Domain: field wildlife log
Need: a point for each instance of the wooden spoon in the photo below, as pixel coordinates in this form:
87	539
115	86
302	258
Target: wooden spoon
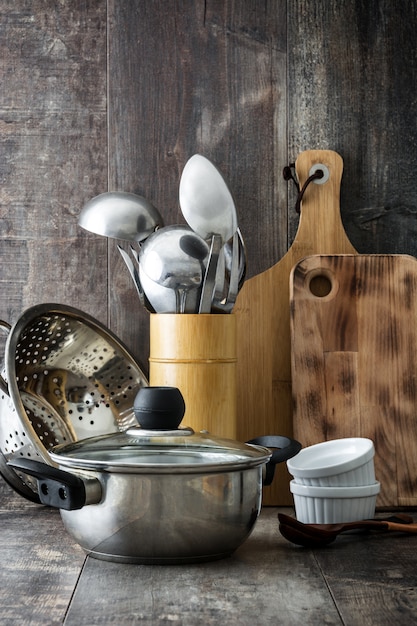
319	535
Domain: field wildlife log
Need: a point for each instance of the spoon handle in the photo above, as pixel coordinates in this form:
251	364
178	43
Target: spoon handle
136	280
210	275
234	274
403	528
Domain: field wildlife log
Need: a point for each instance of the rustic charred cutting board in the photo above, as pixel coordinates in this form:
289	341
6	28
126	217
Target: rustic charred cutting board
354	360
264	404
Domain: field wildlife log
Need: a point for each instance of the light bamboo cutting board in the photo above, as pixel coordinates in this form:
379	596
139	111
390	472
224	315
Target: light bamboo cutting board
354	360
264	404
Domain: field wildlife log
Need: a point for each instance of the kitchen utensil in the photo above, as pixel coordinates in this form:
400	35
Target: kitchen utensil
15	482
197	353
327	505
209	281
346	462
162	299
354	363
136	280
209	208
68	377
205	199
228	253
7	411
174	257
120	215
7	416
319	535
234	274
155	496
232	266
263	314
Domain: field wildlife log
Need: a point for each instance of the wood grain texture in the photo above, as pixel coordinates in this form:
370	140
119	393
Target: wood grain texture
265	582
207	77
351	89
374	585
40	563
197	354
263	316
46	579
354	361
53	154
118	95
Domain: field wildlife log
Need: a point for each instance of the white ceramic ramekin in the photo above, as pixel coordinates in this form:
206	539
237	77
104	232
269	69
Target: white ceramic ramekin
331	505
345	462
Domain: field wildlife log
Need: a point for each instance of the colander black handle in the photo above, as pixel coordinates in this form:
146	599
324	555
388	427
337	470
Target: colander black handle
57	488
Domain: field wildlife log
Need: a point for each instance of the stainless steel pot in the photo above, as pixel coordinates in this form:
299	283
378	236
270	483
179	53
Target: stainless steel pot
159	496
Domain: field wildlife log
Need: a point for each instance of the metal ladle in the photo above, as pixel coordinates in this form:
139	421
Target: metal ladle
120	215
173	257
209	209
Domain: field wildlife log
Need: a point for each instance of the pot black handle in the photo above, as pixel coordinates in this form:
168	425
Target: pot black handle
282	448
56	487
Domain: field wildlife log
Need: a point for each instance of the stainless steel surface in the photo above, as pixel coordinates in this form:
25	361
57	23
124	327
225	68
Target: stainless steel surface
205	199
162	299
209	282
234	274
134	273
161	519
209	208
242	259
174	257
25	486
231	273
68	377
165	496
120	215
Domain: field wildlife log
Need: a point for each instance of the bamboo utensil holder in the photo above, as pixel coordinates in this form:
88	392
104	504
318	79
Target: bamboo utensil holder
197	354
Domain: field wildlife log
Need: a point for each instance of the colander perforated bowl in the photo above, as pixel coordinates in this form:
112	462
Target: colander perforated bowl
67	378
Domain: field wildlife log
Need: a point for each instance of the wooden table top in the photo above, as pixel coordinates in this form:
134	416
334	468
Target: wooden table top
46	579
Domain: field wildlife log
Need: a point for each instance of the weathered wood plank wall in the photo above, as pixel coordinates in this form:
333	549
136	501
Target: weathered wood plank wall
208	77
99	96
352	69
53	153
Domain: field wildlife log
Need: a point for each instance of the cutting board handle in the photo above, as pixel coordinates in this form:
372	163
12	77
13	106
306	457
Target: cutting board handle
320	206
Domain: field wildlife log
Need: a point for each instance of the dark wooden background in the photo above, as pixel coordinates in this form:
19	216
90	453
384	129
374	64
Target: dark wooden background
102	95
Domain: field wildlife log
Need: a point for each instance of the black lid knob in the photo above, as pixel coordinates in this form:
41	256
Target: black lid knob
159	408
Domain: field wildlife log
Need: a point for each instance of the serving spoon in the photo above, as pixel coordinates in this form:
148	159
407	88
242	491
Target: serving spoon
319	535
209	209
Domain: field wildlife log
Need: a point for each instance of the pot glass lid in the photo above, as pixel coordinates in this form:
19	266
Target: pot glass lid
139	450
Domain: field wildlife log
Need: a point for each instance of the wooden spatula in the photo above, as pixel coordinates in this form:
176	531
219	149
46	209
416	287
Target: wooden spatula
264	404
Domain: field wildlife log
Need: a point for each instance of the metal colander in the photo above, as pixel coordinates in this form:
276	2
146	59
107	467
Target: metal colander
67	377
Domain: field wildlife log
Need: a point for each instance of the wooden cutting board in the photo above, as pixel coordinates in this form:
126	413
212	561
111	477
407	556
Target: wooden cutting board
264	404
354	360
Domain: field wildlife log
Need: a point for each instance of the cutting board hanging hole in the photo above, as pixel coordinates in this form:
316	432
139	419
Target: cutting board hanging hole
320	283
318	174
319	167
320	286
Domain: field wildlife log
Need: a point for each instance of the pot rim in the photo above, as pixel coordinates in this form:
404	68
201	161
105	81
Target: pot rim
131	458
